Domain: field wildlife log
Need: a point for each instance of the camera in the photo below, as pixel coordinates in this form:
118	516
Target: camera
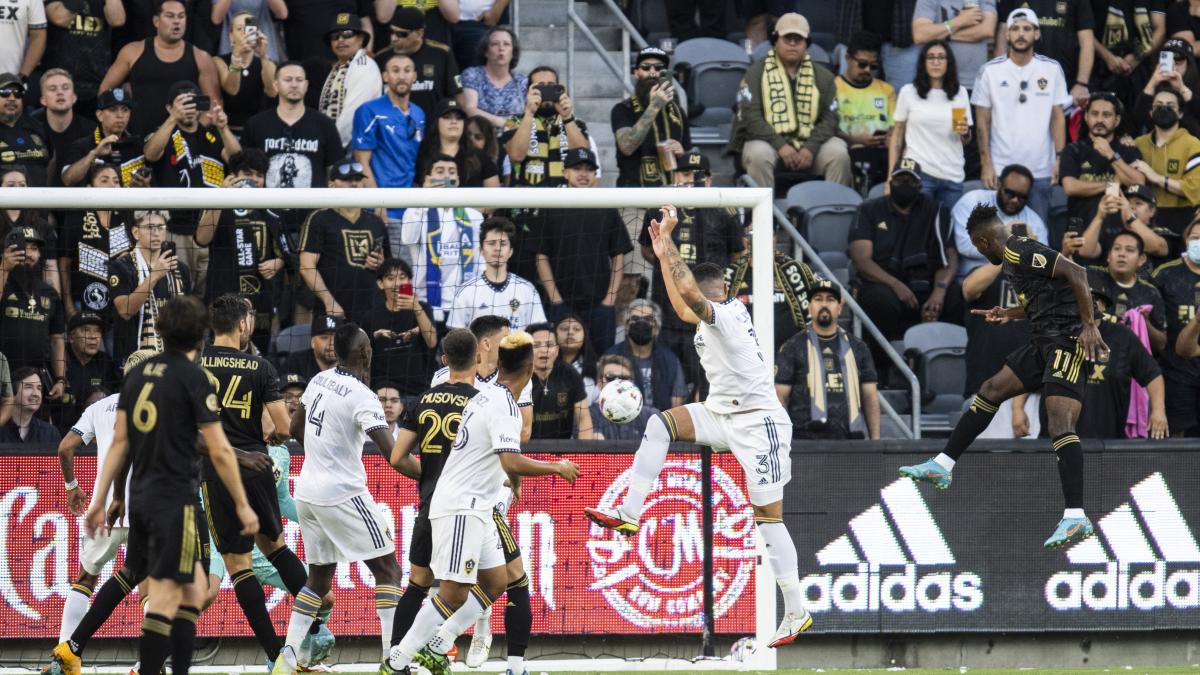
142	172
551	93
203	103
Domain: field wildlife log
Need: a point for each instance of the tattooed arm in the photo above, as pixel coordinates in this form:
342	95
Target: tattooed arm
629	139
687	300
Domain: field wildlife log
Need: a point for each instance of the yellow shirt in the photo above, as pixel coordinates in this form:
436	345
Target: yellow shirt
1178	159
865	110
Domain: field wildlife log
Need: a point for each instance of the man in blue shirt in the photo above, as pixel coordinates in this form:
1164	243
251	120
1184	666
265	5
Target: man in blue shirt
387	134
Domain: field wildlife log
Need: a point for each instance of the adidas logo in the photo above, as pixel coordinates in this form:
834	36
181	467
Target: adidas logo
898	533
1144	537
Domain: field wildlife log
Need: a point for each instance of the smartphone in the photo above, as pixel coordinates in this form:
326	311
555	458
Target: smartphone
1074	225
251	31
168	246
1020	229
551	93
1112	189
142	172
666	76
405	289
203	103
1166	62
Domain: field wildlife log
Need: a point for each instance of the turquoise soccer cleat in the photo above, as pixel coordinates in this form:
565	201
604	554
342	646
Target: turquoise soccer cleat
1069	531
929	472
322	645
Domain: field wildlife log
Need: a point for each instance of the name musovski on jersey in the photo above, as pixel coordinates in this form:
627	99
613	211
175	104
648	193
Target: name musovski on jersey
868	588
1136	575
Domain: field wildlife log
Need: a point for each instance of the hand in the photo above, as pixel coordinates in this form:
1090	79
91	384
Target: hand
567	470
13	256
1020	423
1118	65
384	334
995	316
1080	94
1071	243
1158	424
804	159
564	106
248	518
1103	147
656	240
335	310
1151	175
662	94
76	502
905	295
57	391
1054	171
491	17
260	47
533	100
375	259
1093	345
116	511
987	175
181	106
932	309
406	303
516	491
257	462
240	51
676	147
164	262
969	16
106	144
218	118
268	269
666	225
790	156
136	180
95	520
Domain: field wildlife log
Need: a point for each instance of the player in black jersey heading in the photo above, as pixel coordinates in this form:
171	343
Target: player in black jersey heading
162	405
248	386
1054	296
430	427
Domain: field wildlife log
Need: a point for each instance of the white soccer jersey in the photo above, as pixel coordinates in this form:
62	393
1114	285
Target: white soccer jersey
98	423
523	401
472	478
16	18
516	299
738	378
339	413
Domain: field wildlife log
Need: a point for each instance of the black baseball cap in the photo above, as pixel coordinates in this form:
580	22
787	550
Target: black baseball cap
1179	47
19	236
1142	192
448	106
909	166
577	156
408	18
345	21
181	87
693	160
326	323
294	380
110	98
11	79
347	169
826	286
651	53
85	319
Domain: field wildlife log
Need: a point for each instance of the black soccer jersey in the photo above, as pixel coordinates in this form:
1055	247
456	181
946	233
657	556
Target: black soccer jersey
1180	288
1142	292
245	384
1049	303
165	400
435	419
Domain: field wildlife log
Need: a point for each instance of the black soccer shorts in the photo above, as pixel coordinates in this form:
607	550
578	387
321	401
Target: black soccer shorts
222	514
420	551
165	541
1056	366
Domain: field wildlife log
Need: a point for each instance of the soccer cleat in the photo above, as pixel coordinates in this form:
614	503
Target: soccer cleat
435	663
613	519
481	640
286	663
385	668
321	645
510	672
929	472
68	661
792	625
1069	531
52	669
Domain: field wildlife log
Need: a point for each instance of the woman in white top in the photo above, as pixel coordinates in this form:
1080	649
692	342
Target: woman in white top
927	127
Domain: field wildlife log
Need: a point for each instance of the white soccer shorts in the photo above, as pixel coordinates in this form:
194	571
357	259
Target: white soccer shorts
760	439
350	531
463	544
101	549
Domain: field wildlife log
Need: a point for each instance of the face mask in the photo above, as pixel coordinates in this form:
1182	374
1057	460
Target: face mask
1193	251
640	331
1164	118
904	194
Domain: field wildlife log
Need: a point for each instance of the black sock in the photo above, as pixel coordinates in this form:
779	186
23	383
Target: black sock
103	603
970	425
518	617
406	610
291	570
250	596
1070	468
183	639
156	643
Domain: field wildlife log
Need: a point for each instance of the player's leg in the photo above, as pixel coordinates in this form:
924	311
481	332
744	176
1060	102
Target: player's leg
1020	374
76	604
1065	377
67	653
387	594
305	608
165	595
676	424
183	627
518	614
420	579
174	565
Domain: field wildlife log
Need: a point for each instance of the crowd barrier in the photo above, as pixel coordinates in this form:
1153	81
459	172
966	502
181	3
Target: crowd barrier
877	554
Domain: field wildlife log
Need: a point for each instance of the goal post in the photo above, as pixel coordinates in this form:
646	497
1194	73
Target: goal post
759	202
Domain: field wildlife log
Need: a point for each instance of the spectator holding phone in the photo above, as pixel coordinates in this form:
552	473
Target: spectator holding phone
142	282
534	140
650	127
401	329
247	70
111	143
1176	66
865	105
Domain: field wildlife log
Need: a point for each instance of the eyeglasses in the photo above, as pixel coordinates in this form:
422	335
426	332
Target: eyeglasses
12	92
936	57
153	227
345	34
400	33
612	377
864	64
346	169
656	67
1013	194
1023	98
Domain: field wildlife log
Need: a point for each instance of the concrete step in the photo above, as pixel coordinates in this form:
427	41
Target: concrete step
554	37
545	12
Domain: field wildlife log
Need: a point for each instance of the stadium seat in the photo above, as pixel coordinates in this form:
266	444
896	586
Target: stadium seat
650	18
821	21
823	213
820	55
839	264
711	70
940	352
876	190
292	339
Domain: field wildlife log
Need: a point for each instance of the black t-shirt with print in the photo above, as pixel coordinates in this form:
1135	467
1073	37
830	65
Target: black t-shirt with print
192	159
1081	160
792	369
60	142
126	156
100	372
1180	289
987	345
580	244
91	247
1106	395
402	357
28	317
630	167
26	143
299	154
241	242
554	402
308	21
344	247
123	280
83	48
1142	292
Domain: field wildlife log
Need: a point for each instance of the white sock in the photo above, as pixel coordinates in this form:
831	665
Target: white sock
483	627
781	552
74	608
649	460
457	624
1074	513
428	621
943	460
516	664
298	625
386	615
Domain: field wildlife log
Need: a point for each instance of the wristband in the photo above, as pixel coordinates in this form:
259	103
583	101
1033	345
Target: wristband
1165	185
949	28
1131	220
942	285
1082	84
73	485
568	120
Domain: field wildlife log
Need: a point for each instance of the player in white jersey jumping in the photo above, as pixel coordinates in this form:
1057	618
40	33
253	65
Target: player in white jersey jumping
489	330
741	413
466	541
339	520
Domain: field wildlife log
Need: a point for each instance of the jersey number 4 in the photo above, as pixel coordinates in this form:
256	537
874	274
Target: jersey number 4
240	404
314	418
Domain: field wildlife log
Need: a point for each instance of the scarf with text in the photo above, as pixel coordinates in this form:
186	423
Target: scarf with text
792	277
668	124
466	252
791	112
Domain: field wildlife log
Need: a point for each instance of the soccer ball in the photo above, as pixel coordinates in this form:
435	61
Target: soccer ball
620	401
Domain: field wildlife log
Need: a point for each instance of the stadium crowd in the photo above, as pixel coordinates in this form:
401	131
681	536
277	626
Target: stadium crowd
1091	97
